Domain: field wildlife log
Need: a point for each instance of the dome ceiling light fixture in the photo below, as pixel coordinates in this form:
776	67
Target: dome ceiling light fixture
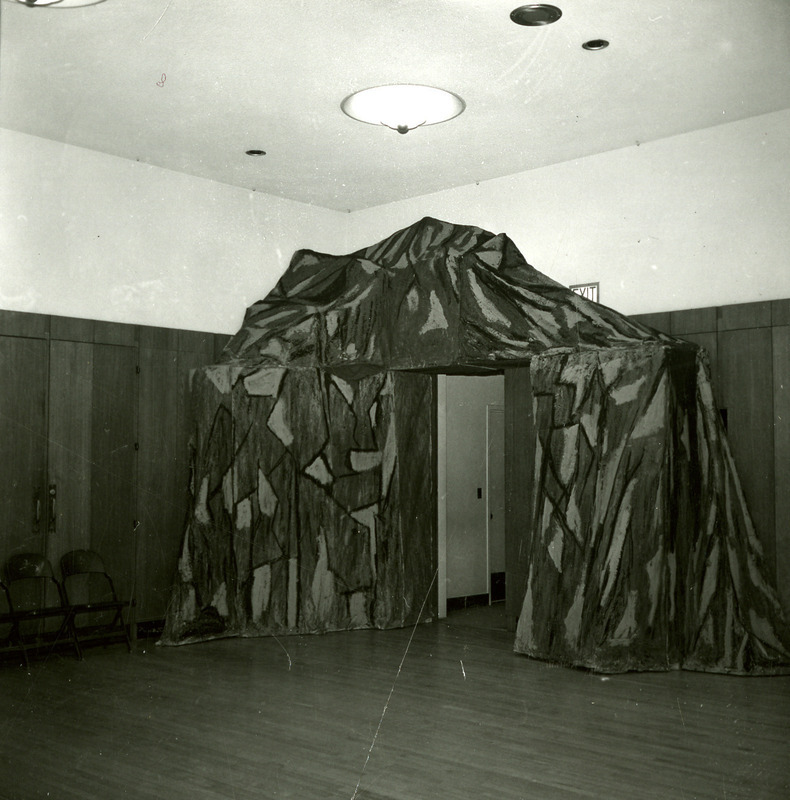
59	3
535	14
403	106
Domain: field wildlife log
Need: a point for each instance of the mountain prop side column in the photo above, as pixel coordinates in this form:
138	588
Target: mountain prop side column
643	556
311	504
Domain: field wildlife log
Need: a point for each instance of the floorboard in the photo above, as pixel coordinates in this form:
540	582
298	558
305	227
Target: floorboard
348	716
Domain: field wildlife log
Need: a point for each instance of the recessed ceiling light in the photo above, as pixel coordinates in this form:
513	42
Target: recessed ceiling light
596	44
535	14
403	106
255	152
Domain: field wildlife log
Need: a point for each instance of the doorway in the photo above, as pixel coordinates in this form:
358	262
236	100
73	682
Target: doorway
470	490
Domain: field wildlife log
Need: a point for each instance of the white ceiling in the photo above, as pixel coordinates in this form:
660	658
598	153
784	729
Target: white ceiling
191	84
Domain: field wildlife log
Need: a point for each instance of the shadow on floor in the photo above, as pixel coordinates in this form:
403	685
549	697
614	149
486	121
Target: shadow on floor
484	616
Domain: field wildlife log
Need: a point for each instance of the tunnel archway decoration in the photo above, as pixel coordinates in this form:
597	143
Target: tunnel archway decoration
312	490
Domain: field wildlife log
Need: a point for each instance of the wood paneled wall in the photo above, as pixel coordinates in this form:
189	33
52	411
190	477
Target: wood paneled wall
93	430
67	380
749	349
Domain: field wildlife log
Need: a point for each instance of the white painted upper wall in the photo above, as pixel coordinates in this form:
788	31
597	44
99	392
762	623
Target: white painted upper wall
85	234
699	219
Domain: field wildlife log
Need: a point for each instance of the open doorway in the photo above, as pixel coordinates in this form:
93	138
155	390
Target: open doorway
471	497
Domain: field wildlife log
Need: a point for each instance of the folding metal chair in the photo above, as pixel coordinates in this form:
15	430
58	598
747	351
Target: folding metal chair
41	614
90	591
9	626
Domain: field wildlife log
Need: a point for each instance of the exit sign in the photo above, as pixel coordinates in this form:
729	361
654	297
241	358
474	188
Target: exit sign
589	291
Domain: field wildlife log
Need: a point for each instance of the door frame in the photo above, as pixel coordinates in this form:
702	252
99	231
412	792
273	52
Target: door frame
441	494
498	408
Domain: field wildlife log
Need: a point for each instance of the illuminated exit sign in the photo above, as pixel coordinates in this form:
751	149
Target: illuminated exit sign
589	291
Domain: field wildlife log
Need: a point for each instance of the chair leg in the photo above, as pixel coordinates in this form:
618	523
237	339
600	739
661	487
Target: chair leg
72	628
126	630
132	634
16	635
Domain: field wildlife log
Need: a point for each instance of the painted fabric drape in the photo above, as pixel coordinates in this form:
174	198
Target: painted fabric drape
313	493
643	554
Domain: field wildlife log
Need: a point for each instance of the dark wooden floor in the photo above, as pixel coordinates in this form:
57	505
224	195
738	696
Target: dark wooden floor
467	718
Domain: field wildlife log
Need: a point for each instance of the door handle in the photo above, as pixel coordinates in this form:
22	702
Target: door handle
53	494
